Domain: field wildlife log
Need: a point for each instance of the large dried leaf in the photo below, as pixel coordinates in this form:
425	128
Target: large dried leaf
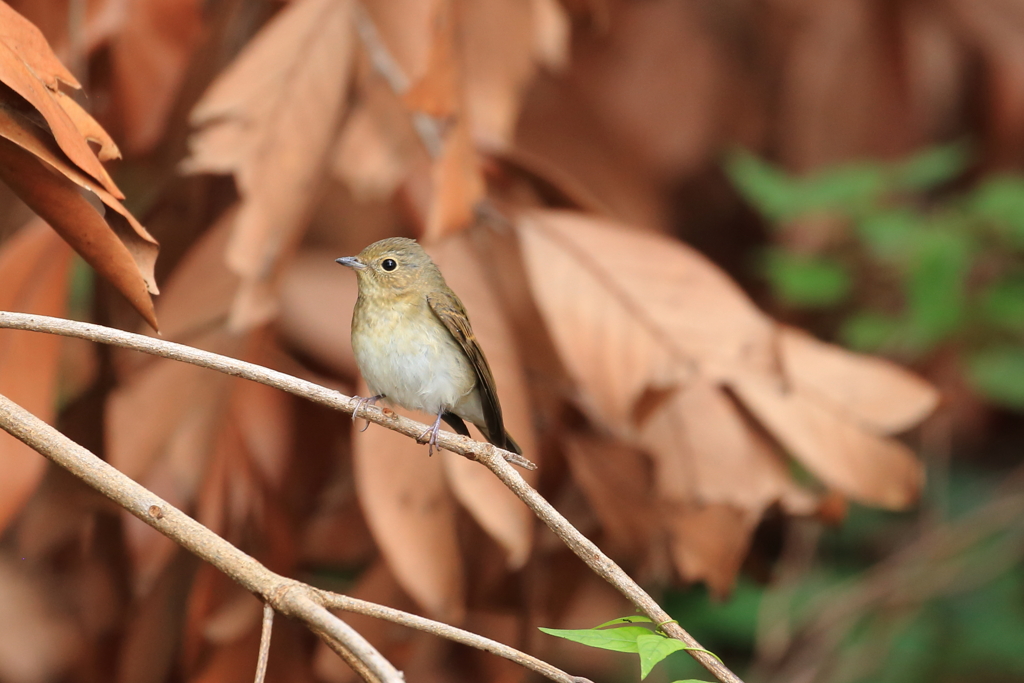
709	542
412	516
34	272
29	44
619	485
496	508
20	129
18	60
89	127
866	467
705	451
632	311
876	393
58	201
269	120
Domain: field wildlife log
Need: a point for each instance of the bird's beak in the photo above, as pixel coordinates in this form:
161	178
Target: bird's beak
352	262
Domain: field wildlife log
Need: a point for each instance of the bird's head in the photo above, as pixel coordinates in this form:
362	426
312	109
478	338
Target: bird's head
392	266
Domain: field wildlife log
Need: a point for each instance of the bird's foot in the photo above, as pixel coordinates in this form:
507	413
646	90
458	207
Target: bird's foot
359	405
432	430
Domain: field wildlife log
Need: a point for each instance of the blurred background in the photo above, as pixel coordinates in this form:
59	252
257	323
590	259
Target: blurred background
642	204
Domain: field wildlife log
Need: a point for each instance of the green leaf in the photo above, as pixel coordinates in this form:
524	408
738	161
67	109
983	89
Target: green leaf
869	331
1001	199
618	639
891	234
653	648
932	167
853	188
1002	304
936	295
770	190
998	372
635	619
806	281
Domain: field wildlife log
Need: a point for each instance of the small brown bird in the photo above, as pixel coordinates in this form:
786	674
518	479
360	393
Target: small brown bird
414	345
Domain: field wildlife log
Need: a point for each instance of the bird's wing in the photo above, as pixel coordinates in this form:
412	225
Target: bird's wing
449	311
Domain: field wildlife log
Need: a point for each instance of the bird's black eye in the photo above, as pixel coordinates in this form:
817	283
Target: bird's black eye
388	264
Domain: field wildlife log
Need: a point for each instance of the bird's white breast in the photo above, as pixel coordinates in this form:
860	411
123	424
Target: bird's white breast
405	353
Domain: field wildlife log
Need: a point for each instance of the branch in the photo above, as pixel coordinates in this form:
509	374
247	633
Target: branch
489	455
266	630
458	635
285	595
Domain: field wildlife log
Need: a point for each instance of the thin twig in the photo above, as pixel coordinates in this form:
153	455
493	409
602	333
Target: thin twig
286	595
458	635
230	366
490	456
267	629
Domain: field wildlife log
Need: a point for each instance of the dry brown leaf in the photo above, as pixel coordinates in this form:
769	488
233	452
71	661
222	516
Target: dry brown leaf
412	517
150	48
878	394
316	297
34	270
20	130
866	467
269	120
29	43
377	147
501	43
619	486
709	542
497	509
705	451
438	92
17	71
407	28
633	311
457	185
89	127
58	201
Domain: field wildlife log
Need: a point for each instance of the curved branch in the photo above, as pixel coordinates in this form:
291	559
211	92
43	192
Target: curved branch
458	635
285	595
490	456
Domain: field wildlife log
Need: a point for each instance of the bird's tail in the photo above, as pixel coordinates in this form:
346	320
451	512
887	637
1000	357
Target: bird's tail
510	445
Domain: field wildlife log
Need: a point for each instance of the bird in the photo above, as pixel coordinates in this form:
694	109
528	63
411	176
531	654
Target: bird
415	347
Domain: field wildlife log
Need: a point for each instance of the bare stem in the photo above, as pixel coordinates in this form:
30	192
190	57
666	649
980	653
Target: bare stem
495	459
265	632
286	595
458	635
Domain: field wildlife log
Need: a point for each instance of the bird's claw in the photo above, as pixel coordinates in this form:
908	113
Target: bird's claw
359	405
432	440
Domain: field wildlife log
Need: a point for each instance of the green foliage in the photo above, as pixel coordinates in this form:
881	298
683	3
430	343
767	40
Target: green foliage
999	373
651	645
916	269
808	282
